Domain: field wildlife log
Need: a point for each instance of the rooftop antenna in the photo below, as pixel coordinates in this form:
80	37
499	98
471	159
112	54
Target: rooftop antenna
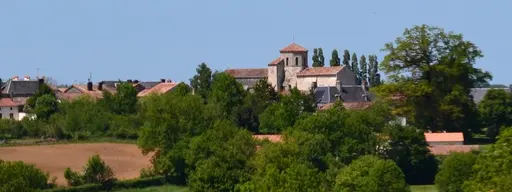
294	38
90	76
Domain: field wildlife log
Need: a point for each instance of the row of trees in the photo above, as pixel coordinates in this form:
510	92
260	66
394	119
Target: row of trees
363	69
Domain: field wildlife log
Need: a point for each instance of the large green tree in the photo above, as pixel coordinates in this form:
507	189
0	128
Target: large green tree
256	102
335	58
433	71
407	147
44	89
124	101
455	169
371	174
493	167
202	81
219	158
346	58
17	176
227	95
496	111
46	105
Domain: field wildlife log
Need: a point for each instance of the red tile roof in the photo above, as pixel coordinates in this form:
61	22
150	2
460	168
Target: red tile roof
316	71
248	73
271	138
349	105
161	88
95	93
276	61
293	48
7	102
444	137
69	96
447	149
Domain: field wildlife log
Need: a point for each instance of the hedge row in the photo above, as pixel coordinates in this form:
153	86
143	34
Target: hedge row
124	184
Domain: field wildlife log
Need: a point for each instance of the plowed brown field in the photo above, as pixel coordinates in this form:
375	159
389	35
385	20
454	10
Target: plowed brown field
125	159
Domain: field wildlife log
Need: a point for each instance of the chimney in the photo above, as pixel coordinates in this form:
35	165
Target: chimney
100	86
162	80
169	81
135	81
363	85
27	78
15	78
89	86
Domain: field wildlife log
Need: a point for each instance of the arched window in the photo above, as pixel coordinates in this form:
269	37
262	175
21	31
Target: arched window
296	61
287	61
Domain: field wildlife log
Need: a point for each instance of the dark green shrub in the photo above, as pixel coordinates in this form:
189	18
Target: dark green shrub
18	176
455	169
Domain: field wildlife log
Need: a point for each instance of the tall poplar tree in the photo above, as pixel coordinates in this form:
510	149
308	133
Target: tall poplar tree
335	59
355	68
346	58
321	58
363	69
316	60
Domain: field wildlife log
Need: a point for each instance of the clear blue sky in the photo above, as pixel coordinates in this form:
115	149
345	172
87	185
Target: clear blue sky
150	39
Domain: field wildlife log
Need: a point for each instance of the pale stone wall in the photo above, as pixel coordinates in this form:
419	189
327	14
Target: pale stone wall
276	75
304	83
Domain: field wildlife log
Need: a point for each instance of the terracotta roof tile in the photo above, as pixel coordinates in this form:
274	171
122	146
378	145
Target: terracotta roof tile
447	149
271	138
248	73
161	88
95	93
7	102
293	48
444	137
315	71
69	96
62	89
349	105
276	61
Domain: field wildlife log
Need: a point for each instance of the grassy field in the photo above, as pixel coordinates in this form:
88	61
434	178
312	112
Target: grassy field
423	188
166	188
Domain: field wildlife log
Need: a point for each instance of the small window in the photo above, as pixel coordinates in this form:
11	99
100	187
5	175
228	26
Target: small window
296	61
11	116
287	61
11	108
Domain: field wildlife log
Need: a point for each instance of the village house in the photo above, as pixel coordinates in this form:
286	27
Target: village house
14	95
95	91
291	70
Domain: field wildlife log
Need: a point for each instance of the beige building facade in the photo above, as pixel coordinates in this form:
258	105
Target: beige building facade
291	70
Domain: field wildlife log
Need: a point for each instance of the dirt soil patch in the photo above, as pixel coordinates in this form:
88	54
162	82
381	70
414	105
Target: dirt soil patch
125	159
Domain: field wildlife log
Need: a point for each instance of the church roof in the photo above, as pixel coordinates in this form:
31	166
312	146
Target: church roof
276	61
293	48
248	73
318	71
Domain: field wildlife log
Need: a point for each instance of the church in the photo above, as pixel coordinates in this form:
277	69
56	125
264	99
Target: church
291	69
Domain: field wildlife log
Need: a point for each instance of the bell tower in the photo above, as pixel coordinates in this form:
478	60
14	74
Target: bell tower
295	59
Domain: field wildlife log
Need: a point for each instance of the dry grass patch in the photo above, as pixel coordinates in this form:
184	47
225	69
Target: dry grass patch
125	159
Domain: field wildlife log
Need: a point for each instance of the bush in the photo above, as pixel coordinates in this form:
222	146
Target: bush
126	184
18	176
95	172
455	169
369	173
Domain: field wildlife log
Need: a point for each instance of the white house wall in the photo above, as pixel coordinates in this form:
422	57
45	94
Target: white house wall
304	83
6	111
